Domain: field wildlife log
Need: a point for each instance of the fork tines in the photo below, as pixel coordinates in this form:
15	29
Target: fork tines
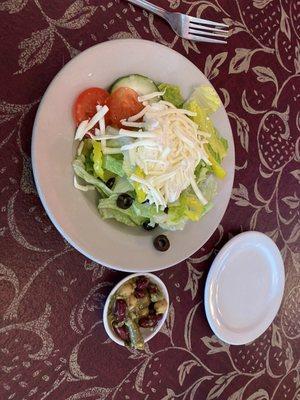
207	31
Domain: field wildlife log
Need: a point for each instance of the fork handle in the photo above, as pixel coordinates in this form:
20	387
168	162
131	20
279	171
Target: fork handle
150	7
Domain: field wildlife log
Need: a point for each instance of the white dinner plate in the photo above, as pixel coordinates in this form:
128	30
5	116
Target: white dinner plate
75	213
244	288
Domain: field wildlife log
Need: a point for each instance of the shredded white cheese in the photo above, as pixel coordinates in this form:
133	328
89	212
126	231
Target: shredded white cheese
111	150
168	160
80	147
197	191
140	144
86	126
139	115
133	124
167	150
134	134
150	96
81	130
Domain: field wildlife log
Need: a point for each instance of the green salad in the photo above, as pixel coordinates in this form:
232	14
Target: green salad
152	156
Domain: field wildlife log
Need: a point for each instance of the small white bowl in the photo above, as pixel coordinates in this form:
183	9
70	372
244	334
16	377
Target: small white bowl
147	333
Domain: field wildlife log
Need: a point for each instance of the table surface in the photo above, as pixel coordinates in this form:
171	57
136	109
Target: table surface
52	341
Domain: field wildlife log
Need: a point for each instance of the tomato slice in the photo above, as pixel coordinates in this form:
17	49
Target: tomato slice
122	104
86	102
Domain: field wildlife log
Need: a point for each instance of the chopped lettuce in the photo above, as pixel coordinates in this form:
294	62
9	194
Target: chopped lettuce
108	209
217	146
146	211
201	171
214	158
79	169
117	214
137	214
127	167
122	185
201	119
118	142
181	213
188	206
87	152
209	187
99	165
172	94
89	162
166	223
212	154
207	98
114	164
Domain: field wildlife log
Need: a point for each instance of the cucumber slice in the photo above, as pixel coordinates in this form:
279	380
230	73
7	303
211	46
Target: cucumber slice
141	84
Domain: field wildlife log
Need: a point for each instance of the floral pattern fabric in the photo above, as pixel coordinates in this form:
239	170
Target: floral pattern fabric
52	341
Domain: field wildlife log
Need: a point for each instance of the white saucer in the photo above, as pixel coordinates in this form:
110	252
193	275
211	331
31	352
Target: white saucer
244	288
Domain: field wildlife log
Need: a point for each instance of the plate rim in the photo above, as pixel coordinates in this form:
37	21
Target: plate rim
65	235
212	274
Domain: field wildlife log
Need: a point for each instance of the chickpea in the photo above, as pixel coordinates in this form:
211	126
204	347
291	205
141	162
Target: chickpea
132	302
144	312
126	290
144	301
161	306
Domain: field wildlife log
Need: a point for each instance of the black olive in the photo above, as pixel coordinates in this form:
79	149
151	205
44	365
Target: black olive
124	201
110	183
146	202
166	210
161	243
148	227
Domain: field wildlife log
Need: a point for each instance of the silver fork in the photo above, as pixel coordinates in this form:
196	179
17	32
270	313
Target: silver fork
191	28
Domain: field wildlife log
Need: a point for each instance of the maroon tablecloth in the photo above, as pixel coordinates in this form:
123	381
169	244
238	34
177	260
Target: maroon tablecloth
52	341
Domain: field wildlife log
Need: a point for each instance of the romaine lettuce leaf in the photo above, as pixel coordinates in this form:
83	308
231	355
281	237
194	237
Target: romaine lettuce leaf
122	185
201	119
79	169
218	144
87	152
215	160
188	206
99	165
172	94
209	187
201	171
118	142
117	214
146	211
207	98
165	222
108	209
127	167
113	164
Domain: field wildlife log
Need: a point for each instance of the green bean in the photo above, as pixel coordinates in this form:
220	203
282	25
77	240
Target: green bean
136	338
